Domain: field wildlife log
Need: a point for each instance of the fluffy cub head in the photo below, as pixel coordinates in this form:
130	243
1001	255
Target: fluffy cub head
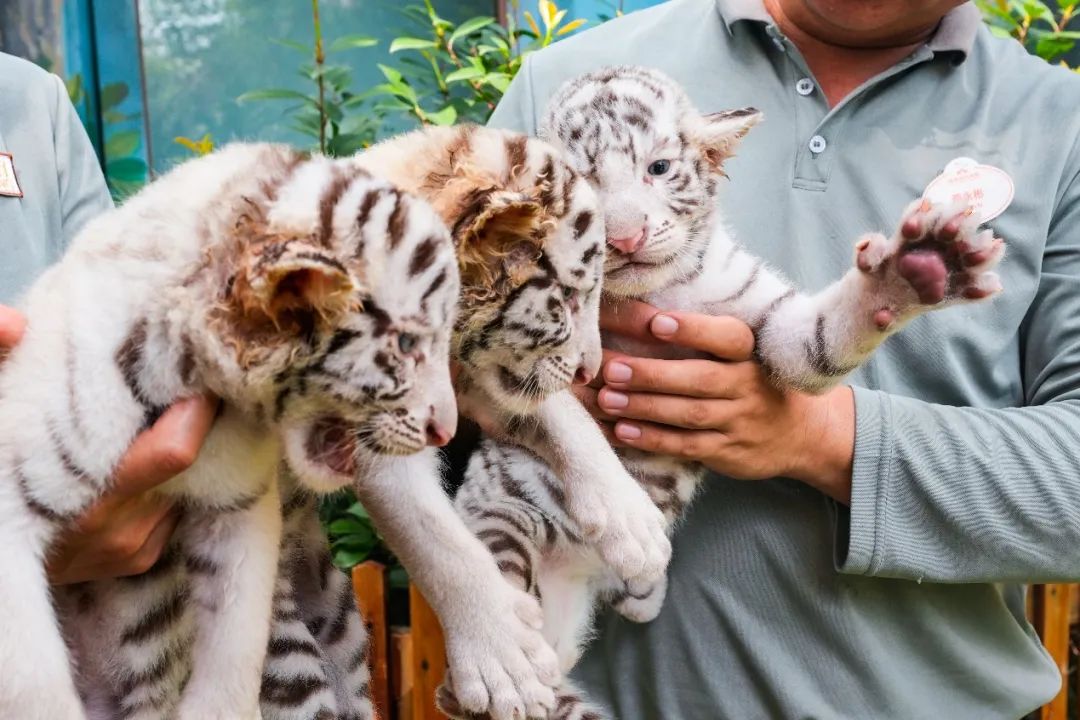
335	297
655	162
530	247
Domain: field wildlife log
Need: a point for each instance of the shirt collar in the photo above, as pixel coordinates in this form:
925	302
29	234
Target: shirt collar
955	34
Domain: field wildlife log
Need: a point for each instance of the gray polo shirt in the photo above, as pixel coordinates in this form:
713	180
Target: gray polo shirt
967	458
58	174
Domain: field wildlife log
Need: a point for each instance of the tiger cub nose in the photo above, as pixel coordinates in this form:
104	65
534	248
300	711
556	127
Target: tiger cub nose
436	430
629	244
437	435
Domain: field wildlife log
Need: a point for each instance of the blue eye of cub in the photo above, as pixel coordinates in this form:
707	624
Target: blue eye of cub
406	342
660	167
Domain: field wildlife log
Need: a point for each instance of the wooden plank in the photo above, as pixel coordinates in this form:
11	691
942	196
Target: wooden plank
401	673
429	657
1051	605
369	586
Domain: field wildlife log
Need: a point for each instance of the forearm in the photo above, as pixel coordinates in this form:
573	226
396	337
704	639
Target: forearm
947	494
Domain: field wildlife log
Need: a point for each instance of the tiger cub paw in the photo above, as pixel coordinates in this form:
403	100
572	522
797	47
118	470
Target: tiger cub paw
640	602
938	257
500	666
619	519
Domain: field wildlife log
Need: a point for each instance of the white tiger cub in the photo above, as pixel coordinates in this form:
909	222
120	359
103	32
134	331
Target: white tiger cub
530	248
282	283
656	164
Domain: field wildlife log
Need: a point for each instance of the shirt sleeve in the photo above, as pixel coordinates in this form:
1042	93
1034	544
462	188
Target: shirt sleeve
517	109
951	494
83	192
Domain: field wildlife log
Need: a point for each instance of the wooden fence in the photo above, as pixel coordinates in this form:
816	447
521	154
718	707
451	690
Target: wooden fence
407	664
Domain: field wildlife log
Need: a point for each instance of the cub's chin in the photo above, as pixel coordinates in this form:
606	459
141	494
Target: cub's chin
636	279
512	393
327	452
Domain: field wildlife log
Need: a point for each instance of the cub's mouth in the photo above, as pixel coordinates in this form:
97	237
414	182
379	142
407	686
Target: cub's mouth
333	443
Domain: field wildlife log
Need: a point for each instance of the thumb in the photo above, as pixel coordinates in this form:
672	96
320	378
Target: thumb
12	326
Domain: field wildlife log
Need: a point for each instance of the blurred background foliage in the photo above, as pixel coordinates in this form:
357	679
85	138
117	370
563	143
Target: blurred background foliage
1045	29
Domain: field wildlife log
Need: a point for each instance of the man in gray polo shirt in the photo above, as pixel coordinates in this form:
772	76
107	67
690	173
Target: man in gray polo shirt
884	581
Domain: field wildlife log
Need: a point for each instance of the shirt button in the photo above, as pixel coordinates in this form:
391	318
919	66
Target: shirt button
804	86
817	144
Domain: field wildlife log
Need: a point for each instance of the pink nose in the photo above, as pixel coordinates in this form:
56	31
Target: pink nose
437	435
629	244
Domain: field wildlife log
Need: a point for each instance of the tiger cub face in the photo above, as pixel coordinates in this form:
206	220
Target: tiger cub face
336	300
530	247
656	164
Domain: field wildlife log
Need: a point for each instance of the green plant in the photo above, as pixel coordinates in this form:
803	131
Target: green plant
353	538
1043	31
321	114
458	72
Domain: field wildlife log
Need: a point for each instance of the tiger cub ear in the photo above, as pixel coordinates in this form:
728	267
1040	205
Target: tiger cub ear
720	133
282	280
498	228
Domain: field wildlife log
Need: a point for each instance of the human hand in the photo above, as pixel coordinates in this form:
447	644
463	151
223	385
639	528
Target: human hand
722	412
125	531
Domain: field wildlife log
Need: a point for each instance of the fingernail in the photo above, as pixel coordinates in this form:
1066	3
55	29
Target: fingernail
625	431
611	400
664	325
617	372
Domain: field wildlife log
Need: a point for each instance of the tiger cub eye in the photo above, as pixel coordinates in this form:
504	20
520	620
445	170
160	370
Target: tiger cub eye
406	342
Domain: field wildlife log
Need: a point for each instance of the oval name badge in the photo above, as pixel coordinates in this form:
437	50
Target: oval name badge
988	190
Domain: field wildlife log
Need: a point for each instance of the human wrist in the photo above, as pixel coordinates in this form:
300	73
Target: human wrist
826	445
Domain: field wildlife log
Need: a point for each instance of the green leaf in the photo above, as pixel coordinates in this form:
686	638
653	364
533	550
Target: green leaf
411	43
273	94
1053	45
499	81
113	94
468	28
346	526
1000	31
465	73
333	112
390	73
339	78
345	144
446	116
347	42
122	144
292	45
1038	9
127	169
358	510
347	559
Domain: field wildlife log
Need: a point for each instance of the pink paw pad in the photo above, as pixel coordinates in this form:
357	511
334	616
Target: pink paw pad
925	271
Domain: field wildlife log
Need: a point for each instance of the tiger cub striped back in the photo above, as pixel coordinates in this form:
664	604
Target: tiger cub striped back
273	280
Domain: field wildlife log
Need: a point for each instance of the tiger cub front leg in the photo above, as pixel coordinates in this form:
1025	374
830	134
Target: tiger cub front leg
938	257
236	553
612	511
